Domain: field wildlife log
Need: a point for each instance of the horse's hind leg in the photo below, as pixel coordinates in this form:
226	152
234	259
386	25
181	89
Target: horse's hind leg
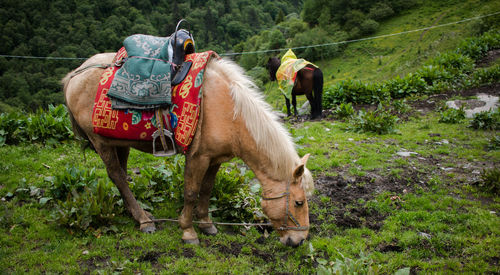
115	159
294	104
204	201
194	173
312	103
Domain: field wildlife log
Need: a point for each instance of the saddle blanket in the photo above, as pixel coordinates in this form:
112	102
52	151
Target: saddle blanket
136	125
287	72
143	82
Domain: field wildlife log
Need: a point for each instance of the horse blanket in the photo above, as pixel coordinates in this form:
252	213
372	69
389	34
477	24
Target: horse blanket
182	116
143	82
287	72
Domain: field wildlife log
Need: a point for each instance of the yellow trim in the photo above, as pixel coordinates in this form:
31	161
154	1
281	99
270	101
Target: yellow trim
188	41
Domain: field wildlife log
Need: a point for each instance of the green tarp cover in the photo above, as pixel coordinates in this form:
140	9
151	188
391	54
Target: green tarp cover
144	79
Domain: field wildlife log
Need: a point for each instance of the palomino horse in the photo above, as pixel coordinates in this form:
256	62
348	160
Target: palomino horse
309	80
235	121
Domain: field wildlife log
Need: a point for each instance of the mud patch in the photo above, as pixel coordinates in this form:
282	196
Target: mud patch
234	250
188	252
348	195
150	256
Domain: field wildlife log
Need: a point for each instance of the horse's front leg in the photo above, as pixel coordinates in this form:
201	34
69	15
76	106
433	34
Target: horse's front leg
194	172
294	104
287	102
207	226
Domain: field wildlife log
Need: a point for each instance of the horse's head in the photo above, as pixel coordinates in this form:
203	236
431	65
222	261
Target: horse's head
272	66
287	208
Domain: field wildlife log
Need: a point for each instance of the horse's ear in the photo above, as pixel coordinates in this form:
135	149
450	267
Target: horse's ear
299	170
305	158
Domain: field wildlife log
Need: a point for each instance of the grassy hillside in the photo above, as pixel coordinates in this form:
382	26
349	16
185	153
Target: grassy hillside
385	58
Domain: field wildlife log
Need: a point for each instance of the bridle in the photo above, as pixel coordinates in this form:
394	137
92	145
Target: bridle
288	215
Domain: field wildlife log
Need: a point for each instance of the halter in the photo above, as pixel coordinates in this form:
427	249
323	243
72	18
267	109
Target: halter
285	226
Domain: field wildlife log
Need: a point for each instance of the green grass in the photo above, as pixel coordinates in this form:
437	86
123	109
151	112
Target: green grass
442	223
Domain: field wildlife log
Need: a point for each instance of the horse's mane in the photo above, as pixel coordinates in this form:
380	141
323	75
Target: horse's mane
270	136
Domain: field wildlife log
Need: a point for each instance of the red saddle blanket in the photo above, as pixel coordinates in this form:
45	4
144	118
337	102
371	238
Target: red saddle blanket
140	125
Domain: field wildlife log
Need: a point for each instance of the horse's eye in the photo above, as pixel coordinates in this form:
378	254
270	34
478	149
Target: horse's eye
299	203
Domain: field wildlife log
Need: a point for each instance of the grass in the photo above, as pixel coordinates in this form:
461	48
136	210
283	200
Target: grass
446	226
441	222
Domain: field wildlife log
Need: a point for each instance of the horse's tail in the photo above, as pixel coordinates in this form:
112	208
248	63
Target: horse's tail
318	91
77	130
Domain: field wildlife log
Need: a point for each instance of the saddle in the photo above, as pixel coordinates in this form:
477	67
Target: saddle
148	71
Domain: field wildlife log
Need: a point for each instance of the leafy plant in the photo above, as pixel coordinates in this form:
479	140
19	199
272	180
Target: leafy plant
344	110
488	120
73	179
95	207
379	121
490	181
452	116
494	143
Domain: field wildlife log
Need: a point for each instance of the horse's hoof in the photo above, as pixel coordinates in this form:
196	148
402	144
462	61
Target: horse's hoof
191	241
149	229
211	231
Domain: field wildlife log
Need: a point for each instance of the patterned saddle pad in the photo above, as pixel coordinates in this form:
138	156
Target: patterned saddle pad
182	116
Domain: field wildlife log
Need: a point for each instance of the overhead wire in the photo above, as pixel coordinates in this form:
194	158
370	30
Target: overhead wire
284	49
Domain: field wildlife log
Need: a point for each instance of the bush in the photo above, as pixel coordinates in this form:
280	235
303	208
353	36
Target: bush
344	110
355	92
477	47
452	116
494	143
81	202
486	120
406	86
46	127
490	181
379	121
454	63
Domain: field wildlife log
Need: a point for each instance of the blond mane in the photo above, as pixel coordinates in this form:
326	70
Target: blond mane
270	135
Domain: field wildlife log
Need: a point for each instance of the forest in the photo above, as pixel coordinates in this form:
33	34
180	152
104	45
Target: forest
67	32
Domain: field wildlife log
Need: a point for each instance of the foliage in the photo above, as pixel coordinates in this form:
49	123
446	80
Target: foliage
97	26
490	181
494	143
379	121
354	91
47	127
487	120
477	47
81	201
406	86
344	110
452	115
234	199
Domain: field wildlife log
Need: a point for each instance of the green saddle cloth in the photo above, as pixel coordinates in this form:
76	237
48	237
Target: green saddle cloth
143	81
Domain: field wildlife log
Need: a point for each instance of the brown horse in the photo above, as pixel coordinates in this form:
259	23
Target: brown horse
235	121
309	82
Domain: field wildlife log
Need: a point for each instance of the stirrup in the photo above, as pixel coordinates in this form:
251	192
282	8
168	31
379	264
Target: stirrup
165	152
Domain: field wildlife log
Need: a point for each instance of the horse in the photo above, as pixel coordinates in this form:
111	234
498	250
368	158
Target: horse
309	82
235	121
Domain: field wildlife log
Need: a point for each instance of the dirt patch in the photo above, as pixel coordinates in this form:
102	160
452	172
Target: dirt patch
490	57
188	252
150	256
348	195
234	250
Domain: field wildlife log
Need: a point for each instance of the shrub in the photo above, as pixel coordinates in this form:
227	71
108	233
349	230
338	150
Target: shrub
490	181
344	110
355	92
494	143
432	74
486	120
454	63
45	126
452	116
81	202
477	47
379	121
406	86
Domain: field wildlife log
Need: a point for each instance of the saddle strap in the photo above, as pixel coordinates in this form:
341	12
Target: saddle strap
159	117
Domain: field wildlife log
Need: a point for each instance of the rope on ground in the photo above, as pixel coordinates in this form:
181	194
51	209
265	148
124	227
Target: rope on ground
216	223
